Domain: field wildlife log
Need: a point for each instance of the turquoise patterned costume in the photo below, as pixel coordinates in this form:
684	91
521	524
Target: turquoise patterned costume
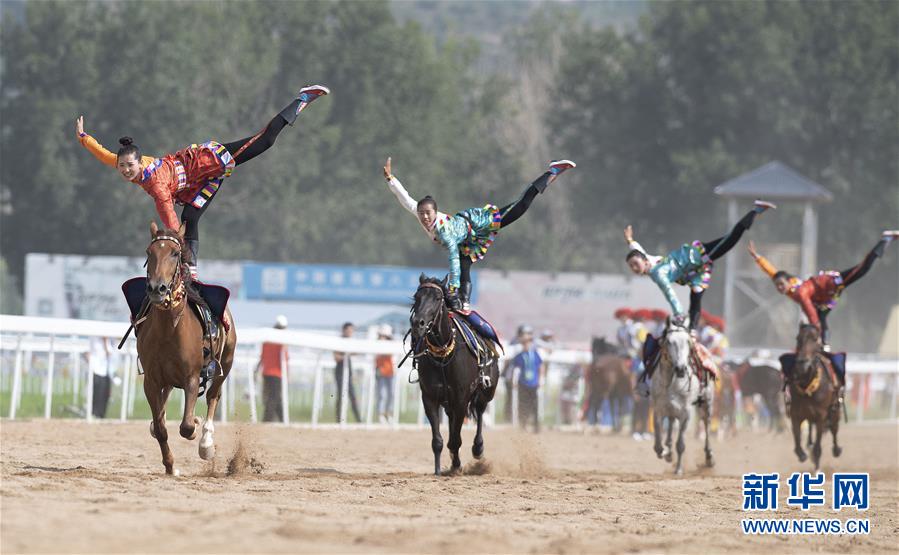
469	233
689	265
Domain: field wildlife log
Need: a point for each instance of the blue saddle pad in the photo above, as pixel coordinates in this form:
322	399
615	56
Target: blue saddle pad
481	326
216	296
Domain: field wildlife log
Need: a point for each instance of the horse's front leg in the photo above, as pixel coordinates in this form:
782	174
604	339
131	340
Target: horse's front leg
432	410
156	398
683	423
189	421
797	437
207	441
455	439
816	450
671	421
657	431
834	428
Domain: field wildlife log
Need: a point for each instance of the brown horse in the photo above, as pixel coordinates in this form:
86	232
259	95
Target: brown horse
813	394
608	379
170	346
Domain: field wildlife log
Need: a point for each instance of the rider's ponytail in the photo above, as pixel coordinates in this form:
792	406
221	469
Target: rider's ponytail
128	147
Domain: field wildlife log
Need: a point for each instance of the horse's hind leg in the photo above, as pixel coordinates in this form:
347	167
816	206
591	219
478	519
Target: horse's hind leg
706	417
477	446
207	442
156	398
189	421
816	450
432	410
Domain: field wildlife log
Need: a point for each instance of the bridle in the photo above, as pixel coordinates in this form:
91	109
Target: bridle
442	354
663	346
175	294
815	370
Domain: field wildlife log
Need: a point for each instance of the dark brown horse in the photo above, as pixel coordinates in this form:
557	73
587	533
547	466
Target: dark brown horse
170	346
767	382
813	394
448	372
608	379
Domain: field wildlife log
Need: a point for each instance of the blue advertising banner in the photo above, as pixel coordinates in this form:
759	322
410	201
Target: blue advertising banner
324	282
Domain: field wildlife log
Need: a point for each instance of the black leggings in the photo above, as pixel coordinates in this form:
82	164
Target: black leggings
258	144
715	249
850	276
510	213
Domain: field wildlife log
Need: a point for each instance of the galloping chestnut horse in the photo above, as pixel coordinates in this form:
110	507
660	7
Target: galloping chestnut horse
170	346
448	372
608	379
813	395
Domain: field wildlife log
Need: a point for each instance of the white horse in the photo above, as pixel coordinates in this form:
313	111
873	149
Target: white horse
675	389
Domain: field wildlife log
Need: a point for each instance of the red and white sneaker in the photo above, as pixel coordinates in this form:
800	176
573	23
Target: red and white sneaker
194	275
310	93
891	234
558	166
761	205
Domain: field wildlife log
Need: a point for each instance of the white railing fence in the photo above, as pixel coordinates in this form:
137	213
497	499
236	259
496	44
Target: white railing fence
45	372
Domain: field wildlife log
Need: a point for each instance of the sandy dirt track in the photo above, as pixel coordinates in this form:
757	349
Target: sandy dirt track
69	486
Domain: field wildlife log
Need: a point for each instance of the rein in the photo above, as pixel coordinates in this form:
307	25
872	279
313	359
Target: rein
442	354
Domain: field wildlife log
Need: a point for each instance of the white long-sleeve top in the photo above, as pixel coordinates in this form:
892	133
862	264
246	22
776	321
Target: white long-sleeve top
410	204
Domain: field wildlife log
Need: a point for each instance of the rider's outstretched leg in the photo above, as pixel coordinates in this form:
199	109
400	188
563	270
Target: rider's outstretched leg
250	147
717	248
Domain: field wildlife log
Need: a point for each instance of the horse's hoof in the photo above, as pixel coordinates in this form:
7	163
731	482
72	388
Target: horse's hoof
678	471
207	453
802	456
668	457
837	451
710	461
477	451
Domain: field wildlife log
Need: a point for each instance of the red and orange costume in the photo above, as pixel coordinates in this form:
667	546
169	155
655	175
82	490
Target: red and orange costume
190	176
816	294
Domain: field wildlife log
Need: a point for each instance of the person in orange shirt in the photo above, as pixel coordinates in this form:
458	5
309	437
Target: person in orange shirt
274	355
818	295
192	176
384	378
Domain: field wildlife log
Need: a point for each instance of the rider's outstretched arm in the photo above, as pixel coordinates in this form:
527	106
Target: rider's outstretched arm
668	290
762	262
402	196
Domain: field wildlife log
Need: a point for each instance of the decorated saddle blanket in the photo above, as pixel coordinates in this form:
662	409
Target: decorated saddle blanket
216	297
479	335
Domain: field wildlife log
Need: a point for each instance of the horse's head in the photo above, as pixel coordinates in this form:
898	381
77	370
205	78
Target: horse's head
428	305
808	341
164	275
677	347
602	347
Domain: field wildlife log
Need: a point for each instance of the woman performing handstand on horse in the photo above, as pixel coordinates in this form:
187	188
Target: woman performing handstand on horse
192	176
818	294
467	235
690	265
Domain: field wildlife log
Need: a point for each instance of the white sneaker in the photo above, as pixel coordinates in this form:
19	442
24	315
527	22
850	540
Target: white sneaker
637	436
558	166
762	205
310	93
890	234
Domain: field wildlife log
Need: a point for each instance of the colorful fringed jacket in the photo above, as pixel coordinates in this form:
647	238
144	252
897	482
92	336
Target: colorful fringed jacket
689	265
190	176
817	293
469	233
